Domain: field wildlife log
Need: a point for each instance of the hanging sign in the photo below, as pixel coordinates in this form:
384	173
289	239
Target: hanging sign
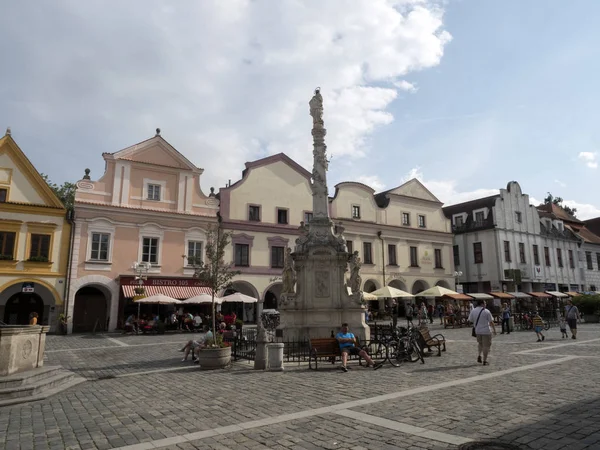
28	288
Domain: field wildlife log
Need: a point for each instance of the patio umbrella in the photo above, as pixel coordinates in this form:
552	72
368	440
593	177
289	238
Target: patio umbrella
201	299
239	297
159	299
367	296
439	291
390	292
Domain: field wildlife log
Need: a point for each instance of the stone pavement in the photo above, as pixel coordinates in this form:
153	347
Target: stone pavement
533	395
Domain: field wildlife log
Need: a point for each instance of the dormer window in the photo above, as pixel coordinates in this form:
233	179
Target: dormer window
458	221
559	226
479	217
154	192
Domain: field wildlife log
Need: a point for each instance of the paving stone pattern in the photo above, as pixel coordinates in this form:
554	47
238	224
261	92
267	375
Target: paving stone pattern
551	407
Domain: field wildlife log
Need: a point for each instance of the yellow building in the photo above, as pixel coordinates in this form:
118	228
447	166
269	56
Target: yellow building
34	241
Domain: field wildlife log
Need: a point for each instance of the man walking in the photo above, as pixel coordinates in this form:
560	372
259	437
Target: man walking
483	322
572	314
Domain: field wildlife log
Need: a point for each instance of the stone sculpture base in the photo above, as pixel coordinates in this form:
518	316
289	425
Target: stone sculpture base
319	323
21	348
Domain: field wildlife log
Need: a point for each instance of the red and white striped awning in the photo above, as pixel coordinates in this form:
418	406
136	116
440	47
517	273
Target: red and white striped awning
178	292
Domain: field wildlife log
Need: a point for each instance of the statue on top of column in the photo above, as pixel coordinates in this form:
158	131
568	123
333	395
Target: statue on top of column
316	108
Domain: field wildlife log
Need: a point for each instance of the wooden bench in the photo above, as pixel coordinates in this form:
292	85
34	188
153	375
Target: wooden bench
324	348
428	341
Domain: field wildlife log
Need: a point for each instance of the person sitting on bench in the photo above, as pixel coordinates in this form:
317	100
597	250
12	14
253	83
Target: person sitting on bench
347	343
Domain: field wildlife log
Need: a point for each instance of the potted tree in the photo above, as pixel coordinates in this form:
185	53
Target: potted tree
216	274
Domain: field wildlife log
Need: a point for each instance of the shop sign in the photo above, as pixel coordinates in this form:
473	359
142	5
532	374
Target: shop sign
28	288
426	259
397	276
159	281
537	271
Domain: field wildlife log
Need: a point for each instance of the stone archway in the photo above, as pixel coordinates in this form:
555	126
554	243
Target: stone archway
370	285
244	311
398	285
108	286
90	309
16	305
444	284
419	286
272	295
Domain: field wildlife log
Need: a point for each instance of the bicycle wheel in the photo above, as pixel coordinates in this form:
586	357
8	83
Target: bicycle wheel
546	325
395	353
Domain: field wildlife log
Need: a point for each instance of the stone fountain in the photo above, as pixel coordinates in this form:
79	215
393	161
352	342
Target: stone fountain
315	298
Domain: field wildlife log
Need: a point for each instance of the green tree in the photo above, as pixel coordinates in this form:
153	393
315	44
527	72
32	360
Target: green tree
215	273
558	201
65	192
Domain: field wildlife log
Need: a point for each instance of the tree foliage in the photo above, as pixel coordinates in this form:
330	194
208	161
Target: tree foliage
213	271
65	192
558	201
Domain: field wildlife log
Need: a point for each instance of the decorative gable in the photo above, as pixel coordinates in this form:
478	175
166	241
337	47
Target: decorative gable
21	180
156	151
414	188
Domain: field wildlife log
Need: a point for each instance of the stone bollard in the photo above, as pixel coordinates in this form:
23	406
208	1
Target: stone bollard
260	357
275	357
511	324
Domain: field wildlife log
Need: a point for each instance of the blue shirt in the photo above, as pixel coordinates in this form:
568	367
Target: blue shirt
341	335
506	313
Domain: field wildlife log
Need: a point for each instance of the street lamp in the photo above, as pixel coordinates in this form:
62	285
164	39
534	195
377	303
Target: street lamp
457	275
141	275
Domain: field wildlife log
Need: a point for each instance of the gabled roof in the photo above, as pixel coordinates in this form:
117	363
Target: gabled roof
279	157
146	152
584	233
9	146
556	212
412	188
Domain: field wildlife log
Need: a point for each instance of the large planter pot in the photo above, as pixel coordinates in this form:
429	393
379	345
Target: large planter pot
214	358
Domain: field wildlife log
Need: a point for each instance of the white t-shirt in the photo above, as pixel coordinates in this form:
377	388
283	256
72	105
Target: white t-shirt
197	320
483	326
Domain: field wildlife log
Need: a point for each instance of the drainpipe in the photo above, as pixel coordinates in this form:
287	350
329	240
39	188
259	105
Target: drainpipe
382	256
71	220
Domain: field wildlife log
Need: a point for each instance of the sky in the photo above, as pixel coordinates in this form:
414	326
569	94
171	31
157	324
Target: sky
465	95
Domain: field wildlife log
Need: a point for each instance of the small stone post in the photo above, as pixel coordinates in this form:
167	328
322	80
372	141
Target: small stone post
260	358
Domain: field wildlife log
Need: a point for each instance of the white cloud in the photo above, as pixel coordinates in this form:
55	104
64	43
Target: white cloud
227	78
590	159
404	85
446	190
372	181
560	183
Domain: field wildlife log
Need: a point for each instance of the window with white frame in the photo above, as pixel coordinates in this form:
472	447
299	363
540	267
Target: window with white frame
150	250
194	252
308	216
355	212
406	219
153	192
421	219
458	221
100	247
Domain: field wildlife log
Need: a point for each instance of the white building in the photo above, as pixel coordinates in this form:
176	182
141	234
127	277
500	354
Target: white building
502	244
591	253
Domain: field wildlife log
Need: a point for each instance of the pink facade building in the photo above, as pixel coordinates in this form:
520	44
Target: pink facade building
147	207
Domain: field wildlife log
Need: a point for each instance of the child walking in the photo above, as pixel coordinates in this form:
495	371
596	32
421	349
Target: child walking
562	323
538	326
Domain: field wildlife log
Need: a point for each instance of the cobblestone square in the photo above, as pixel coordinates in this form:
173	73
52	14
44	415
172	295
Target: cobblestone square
139	395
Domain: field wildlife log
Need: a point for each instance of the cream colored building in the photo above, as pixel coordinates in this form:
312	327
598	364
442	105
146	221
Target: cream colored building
264	209
34	241
402	236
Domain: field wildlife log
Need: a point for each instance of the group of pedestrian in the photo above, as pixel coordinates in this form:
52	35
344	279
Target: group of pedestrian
484	326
